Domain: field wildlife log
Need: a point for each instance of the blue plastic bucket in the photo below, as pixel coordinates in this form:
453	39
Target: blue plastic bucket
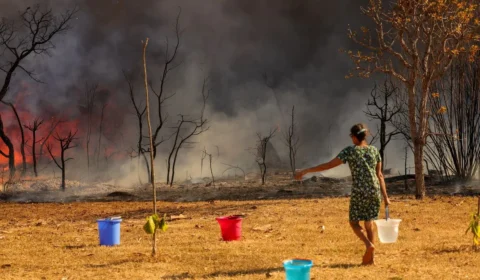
109	231
297	269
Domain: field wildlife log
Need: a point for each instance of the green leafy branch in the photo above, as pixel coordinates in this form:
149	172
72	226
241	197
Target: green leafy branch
474	226
154	223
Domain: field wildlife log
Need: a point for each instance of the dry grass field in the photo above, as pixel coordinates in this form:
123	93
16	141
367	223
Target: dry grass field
60	241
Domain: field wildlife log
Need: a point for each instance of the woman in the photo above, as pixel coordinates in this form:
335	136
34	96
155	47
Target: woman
366	168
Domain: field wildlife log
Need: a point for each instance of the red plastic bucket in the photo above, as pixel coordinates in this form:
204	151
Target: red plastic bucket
231	227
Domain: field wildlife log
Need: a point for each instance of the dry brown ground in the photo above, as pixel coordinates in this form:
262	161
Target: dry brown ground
59	241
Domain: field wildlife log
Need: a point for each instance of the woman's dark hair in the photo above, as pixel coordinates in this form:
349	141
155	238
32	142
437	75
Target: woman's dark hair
360	131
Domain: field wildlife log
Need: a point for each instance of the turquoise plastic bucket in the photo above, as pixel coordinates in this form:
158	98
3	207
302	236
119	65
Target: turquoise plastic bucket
109	231
297	269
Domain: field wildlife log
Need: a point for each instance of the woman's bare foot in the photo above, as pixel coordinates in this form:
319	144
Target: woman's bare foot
368	258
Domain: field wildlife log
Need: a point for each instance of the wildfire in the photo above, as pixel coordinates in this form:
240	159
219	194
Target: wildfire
54	124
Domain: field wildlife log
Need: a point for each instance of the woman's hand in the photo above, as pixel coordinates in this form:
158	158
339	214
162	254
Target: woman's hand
299	174
387	201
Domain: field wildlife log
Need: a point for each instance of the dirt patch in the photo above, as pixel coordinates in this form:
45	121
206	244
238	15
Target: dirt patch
60	241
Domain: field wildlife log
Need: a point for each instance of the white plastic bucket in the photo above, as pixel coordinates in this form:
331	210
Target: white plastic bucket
388	230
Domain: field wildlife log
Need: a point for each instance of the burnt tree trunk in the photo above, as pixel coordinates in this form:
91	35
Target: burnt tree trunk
211	170
383	144
172	152
11	151
34	156
262	153
22	135
291	140
263	170
174	163
33	128
147	166
62	159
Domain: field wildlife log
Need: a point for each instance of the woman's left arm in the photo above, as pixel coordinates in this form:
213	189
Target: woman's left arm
382	183
322	167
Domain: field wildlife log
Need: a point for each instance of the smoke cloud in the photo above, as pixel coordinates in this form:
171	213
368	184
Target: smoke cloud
233	44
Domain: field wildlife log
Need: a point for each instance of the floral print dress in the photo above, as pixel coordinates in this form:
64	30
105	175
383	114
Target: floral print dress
365	198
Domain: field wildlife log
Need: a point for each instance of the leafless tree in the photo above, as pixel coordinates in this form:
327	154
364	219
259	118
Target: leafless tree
65	143
194	127
22	137
11	152
292	141
34	128
204	155
161	95
383	106
140	114
262	152
32	35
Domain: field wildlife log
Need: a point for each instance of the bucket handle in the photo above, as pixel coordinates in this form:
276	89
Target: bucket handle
387	213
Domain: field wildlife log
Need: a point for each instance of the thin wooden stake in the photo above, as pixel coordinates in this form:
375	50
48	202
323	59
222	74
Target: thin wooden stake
211	170
152	170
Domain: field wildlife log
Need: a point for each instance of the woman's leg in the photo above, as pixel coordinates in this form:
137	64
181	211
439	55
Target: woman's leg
368	257
371	237
370	231
359	232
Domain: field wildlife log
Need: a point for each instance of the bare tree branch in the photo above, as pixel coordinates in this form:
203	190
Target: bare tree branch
160	94
383	107
40	27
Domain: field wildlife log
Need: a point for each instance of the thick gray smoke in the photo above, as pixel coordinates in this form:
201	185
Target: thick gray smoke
296	43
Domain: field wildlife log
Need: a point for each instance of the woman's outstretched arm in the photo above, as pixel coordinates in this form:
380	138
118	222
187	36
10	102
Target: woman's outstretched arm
322	167
382	183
